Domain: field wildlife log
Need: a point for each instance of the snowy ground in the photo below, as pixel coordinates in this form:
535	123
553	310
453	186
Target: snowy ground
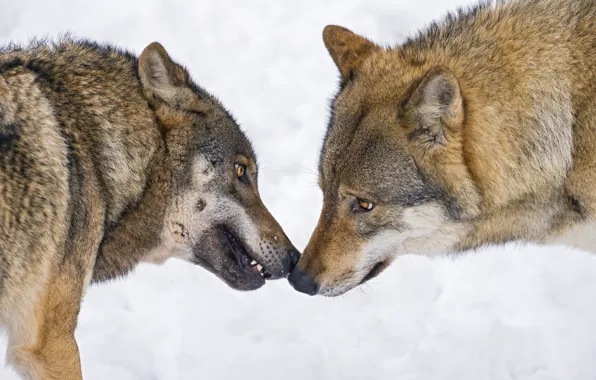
515	312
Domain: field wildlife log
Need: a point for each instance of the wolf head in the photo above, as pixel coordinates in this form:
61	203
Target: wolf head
391	169
214	217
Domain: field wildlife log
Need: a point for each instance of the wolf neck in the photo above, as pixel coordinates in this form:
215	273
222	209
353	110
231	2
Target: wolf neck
519	156
138	189
130	166
136	232
127	142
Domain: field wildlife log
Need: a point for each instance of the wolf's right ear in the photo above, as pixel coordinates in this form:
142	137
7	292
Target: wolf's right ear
160	76
347	49
435	108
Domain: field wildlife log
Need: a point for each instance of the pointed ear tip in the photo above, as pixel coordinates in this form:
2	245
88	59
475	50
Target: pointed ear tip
332	30
154	46
442	70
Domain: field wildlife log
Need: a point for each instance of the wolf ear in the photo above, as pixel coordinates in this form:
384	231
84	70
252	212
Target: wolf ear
160	76
435	107
347	49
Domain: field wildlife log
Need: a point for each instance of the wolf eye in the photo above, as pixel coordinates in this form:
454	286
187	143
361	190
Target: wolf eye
240	169
363	206
241	172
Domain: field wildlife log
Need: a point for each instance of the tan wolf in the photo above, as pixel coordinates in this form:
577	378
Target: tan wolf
106	161
479	130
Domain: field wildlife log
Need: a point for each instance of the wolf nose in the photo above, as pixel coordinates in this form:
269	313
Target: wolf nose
303	282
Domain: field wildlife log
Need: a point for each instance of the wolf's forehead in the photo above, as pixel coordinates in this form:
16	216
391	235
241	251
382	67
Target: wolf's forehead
221	138
368	158
363	110
338	137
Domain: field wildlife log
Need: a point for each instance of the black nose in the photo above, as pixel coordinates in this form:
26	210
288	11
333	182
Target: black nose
303	282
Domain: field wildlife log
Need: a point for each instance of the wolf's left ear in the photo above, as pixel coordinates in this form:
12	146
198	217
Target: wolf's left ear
160	76
435	107
347	49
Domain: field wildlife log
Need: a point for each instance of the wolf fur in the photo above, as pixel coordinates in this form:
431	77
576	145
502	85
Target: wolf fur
479	130
108	160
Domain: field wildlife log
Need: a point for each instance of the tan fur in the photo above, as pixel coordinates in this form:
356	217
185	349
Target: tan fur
489	114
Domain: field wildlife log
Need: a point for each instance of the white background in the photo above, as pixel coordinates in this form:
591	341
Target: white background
515	312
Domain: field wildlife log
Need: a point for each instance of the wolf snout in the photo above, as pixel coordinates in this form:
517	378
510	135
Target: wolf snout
278	263
303	282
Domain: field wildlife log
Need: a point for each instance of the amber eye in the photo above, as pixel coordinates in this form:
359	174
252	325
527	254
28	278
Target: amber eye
241	172
364	206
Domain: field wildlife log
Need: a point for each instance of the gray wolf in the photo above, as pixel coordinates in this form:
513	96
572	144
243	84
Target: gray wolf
108	160
481	129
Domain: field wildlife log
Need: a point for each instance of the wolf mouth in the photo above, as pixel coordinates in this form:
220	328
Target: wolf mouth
375	271
242	255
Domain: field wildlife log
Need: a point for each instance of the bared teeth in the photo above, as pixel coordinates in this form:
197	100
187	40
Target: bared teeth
255	266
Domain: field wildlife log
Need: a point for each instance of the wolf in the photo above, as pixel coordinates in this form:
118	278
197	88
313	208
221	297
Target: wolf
480	129
108	160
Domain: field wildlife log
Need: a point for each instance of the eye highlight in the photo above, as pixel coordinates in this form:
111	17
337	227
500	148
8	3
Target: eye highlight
241	172
363	205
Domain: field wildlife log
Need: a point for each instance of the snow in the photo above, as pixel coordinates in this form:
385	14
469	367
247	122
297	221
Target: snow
518	311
